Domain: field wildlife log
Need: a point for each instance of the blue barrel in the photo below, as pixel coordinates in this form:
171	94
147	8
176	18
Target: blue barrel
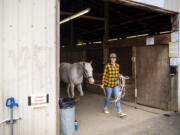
67	115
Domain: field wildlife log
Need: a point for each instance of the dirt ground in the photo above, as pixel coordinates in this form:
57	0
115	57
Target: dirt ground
141	121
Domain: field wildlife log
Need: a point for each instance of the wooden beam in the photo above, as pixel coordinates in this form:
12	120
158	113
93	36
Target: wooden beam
131	21
163	39
83	16
140	41
80	48
114	26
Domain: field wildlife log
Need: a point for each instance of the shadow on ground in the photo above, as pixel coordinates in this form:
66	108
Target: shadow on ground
92	120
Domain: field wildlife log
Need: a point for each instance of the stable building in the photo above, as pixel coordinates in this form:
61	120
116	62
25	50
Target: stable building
33	43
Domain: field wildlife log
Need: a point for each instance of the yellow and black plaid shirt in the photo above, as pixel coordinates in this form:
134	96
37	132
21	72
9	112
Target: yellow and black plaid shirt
111	75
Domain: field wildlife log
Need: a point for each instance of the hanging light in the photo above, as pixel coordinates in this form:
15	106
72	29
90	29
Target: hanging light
75	16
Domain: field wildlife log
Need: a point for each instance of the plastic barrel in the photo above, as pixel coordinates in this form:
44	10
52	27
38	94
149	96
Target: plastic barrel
67	115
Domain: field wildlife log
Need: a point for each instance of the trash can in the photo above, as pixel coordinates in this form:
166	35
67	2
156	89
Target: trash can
67	115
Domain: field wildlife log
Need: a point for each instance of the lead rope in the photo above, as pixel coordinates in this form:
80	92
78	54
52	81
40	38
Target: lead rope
122	87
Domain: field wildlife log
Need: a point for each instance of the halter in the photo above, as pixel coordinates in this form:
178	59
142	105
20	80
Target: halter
86	73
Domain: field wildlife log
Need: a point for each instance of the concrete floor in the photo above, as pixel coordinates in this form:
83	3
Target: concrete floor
92	120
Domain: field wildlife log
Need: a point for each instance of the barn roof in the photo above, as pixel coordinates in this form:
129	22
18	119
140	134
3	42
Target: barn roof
126	18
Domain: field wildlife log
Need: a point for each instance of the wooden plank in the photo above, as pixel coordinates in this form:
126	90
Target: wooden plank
138	41
173	104
124	59
141	41
153	79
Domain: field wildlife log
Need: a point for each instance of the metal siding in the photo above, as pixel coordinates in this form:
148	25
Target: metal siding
27	61
1	57
173	5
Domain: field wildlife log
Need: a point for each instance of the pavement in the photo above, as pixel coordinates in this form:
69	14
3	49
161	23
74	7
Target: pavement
140	120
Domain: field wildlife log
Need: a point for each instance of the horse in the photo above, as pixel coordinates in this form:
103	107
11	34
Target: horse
72	75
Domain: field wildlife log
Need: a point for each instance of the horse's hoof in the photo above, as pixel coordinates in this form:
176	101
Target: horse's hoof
82	94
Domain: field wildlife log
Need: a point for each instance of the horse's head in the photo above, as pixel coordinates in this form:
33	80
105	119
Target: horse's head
88	71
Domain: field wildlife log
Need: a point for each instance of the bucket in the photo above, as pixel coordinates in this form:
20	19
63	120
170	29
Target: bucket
67	115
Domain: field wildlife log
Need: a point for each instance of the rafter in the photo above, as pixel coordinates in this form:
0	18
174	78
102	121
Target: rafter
83	16
138	21
114	26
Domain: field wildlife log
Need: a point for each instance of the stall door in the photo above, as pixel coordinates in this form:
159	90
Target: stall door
153	80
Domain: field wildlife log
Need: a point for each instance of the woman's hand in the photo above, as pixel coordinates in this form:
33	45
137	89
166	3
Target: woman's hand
102	86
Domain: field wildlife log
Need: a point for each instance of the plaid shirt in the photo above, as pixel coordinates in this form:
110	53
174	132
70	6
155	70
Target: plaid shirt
111	75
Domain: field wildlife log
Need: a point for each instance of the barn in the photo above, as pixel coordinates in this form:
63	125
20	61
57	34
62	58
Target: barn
128	27
33	44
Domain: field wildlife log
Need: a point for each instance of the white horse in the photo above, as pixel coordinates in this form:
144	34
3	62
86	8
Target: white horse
72	75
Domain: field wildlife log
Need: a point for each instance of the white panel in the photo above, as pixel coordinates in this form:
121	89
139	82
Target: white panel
27	58
173	5
1	73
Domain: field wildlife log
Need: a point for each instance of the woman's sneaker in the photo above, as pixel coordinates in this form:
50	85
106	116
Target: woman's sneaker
106	110
121	114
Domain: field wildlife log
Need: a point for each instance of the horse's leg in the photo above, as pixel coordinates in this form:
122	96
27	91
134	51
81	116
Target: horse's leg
79	86
72	90
68	86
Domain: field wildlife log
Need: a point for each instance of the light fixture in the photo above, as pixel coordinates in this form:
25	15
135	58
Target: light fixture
75	16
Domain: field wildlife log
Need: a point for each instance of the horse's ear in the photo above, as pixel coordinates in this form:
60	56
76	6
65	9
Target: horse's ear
91	62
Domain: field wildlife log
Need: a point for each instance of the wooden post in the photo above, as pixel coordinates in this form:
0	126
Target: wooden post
71	33
134	71
72	27
106	33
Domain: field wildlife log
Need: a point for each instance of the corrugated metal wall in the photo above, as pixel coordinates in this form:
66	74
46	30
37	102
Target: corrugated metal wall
27	63
173	5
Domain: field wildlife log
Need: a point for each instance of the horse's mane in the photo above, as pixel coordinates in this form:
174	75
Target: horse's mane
80	68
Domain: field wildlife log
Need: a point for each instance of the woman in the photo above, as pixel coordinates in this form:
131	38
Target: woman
110	83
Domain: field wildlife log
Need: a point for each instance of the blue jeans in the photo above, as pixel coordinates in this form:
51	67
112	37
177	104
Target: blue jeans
108	96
